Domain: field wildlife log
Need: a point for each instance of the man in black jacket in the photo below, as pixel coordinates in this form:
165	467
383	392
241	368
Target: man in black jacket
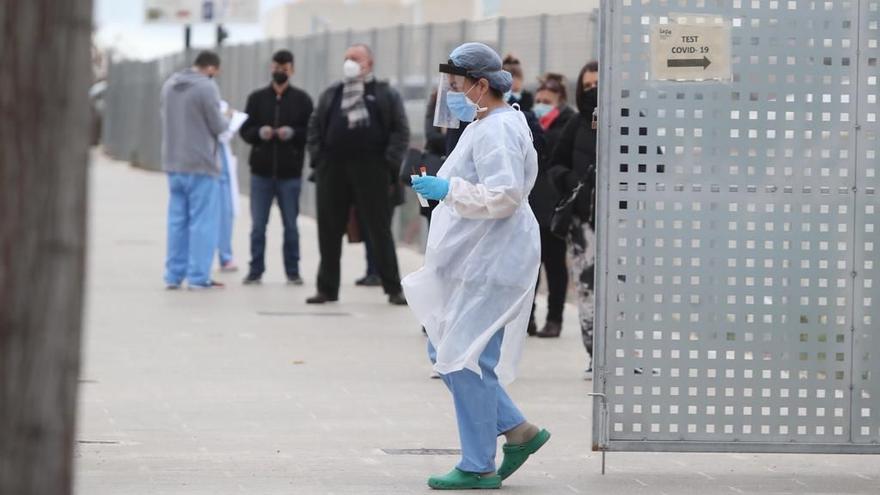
276	128
358	137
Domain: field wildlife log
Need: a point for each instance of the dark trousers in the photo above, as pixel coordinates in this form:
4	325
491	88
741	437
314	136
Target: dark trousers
553	252
362	182
264	192
372	266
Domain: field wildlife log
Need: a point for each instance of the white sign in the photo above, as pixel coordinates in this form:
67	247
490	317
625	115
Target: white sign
691	48
196	11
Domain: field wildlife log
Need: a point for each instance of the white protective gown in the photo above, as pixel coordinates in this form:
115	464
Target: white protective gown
484	248
238	119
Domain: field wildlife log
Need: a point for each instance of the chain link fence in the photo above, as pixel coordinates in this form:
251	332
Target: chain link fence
406	56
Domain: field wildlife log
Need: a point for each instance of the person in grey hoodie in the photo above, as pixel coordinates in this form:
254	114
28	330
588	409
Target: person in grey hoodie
191	123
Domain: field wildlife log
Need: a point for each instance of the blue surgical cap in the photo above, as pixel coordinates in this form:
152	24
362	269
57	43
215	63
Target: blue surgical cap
481	62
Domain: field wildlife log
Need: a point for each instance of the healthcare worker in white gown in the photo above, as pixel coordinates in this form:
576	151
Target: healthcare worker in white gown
475	292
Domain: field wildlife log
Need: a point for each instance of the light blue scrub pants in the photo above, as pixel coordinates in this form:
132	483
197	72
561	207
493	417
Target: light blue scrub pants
482	408
193	227
226	214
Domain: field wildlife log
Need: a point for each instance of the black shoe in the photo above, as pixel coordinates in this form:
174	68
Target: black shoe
294	280
253	279
369	281
321	298
533	329
550	331
397	299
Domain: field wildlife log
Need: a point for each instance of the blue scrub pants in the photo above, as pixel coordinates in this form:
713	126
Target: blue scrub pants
482	408
193	225
264	191
226	214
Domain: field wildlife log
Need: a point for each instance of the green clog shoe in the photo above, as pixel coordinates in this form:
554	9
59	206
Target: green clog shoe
515	455
460	480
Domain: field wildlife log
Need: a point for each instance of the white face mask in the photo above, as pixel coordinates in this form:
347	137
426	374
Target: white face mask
351	69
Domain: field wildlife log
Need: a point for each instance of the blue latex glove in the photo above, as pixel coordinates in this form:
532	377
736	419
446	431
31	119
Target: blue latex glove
431	187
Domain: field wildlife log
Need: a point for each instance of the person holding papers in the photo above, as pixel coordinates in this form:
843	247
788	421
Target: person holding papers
191	123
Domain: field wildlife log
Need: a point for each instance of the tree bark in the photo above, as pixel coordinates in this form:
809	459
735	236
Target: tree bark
45	73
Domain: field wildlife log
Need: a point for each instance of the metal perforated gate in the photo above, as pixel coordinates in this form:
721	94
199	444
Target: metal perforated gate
738	228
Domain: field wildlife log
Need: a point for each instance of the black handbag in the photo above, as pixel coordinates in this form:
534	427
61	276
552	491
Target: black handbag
563	213
416	159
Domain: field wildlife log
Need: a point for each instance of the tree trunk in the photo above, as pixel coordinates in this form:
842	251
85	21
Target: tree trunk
45	73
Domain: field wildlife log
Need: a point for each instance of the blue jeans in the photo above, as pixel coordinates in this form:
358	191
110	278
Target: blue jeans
193	227
483	409
263	193
226	214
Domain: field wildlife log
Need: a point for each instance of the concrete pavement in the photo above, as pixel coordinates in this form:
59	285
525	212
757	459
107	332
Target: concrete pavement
248	390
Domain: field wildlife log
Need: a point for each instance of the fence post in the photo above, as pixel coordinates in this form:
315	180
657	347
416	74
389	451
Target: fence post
502	34
401	56
464	31
542	64
429	54
108	120
593	32
326	61
374	46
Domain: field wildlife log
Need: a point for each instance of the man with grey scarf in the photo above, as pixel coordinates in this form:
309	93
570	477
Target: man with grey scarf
358	137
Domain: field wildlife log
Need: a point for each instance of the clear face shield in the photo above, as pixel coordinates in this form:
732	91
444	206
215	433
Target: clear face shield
447	83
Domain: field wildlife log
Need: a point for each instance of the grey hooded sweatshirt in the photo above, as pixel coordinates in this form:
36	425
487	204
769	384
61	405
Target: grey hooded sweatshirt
191	122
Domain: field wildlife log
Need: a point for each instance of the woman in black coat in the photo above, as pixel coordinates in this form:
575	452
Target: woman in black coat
553	114
573	162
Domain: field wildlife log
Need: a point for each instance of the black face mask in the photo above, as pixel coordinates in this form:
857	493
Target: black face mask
588	101
279	77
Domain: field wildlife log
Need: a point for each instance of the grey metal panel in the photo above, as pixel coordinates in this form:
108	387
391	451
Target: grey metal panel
571	42
866	338
726	234
523	39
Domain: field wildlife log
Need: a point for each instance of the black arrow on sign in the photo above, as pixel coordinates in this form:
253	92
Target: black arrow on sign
689	62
